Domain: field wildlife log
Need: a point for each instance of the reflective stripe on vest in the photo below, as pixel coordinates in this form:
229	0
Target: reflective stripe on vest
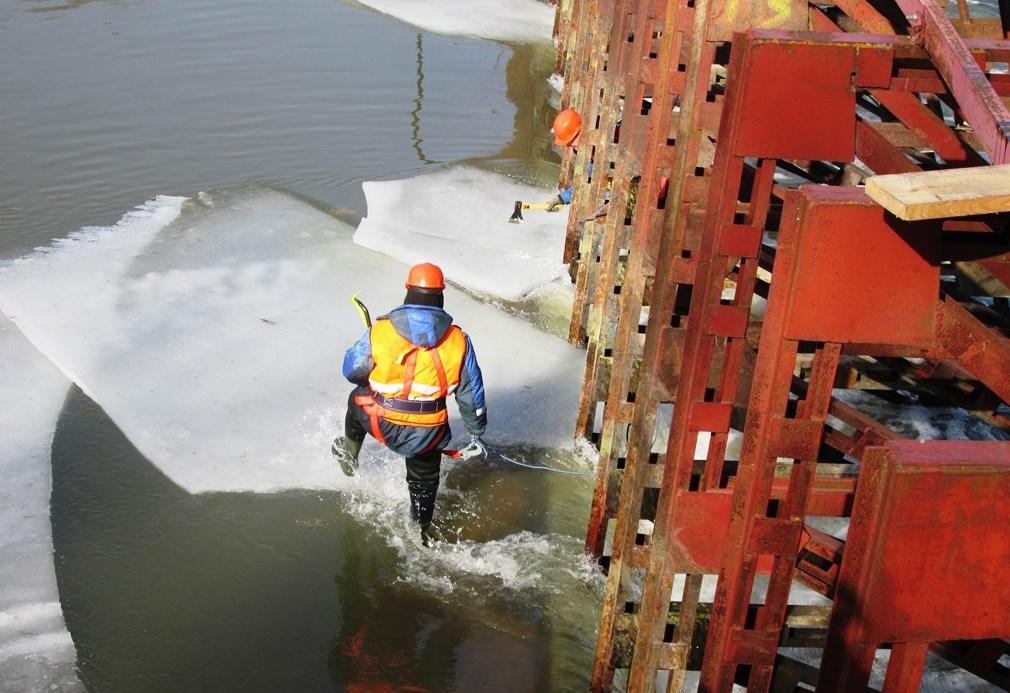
406	371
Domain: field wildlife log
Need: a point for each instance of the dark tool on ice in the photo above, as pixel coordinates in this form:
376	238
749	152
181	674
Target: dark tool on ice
517	213
362	310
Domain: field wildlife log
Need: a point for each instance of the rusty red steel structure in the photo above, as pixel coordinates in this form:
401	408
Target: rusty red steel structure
897	543
666	286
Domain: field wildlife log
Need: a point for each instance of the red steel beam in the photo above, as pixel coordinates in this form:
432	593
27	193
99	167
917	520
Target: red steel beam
866	16
979	102
981	351
880	155
808	137
910	110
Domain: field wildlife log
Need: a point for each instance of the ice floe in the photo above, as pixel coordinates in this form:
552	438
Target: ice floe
212	330
460	215
521	21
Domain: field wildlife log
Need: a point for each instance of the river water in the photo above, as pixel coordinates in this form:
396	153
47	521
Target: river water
109	102
106	103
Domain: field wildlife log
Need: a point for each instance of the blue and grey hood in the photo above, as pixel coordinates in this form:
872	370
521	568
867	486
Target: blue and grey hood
422	326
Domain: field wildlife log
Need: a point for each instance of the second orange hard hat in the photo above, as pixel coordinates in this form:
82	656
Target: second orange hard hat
567	126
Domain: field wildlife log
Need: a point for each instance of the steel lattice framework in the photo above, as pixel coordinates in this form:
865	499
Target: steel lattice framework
729	265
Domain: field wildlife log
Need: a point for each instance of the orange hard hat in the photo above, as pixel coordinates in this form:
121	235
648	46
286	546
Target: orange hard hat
425	276
567	126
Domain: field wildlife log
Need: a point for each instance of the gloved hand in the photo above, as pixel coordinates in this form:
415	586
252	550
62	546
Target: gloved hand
555	204
475	448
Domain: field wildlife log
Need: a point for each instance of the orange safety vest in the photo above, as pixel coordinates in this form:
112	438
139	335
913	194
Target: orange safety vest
405	371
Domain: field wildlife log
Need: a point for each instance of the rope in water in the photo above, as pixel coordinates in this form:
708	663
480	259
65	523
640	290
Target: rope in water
545	468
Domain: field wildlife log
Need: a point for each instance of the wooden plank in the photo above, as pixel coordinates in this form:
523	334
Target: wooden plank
938	194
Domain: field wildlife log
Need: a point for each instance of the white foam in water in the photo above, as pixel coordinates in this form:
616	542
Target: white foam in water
36	651
212	333
918	422
461	215
523	21
519	562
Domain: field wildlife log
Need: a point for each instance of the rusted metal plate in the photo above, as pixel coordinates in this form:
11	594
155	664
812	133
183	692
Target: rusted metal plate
710	416
798	101
873	67
739	240
728	321
698	541
797	438
861	276
929	545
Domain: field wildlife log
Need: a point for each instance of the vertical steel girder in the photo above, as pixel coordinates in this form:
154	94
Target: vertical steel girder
822	251
587	84
625	253
593	21
707	392
610	154
715	515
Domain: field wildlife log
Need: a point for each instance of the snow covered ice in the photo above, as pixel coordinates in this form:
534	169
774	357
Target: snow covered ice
522	21
461	215
35	648
212	332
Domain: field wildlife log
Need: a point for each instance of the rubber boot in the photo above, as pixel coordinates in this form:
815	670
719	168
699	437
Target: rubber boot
426	538
422	507
345	450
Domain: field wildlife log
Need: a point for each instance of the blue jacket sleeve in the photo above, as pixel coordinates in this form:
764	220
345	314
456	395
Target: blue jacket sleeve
470	394
566	195
358	361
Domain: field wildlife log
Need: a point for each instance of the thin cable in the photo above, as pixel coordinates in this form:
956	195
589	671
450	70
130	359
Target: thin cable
535	466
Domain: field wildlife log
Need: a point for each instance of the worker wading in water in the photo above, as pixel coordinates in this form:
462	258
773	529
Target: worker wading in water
404	366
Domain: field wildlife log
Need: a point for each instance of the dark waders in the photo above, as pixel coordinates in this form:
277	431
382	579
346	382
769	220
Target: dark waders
422	468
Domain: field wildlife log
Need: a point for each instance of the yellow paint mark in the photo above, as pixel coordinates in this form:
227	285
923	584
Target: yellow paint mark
731	9
782	10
